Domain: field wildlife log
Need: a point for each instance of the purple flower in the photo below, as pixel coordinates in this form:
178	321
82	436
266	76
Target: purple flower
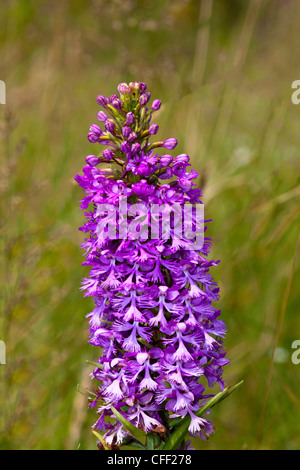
166	174
179	169
143	189
142	169
154	322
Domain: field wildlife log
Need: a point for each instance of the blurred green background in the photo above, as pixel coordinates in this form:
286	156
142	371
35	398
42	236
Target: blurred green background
223	70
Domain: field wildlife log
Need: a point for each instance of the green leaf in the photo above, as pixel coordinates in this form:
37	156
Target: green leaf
88	394
176	438
152	441
101	439
95	364
134	445
134	431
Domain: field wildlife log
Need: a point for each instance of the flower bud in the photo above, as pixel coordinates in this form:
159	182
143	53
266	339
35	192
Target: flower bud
95	129
92	137
117	104
156	105
109	126
166	160
144	98
125	147
102	101
153	129
101	116
107	154
143	87
182	158
136	147
126	131
124	89
132	137
170	144
135	86
130	118
92	160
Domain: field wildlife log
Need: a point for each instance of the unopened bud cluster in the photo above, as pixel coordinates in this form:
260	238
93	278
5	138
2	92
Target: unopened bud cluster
127	127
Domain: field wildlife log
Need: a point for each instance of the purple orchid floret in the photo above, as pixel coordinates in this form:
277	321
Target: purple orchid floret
154	322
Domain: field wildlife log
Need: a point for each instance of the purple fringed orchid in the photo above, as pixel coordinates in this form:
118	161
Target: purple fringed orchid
158	333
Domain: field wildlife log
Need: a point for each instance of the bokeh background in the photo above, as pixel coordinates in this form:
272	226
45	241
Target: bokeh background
223	70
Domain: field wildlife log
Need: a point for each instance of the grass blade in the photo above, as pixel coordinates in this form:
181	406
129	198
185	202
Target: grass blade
136	432
101	439
175	439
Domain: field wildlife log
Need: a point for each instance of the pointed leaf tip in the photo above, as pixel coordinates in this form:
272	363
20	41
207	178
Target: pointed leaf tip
101	439
180	433
136	432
